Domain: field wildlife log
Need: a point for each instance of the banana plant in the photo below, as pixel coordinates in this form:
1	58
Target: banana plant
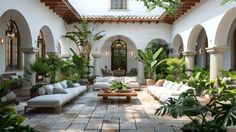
84	38
150	60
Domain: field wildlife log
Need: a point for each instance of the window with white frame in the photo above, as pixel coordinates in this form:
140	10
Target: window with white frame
118	4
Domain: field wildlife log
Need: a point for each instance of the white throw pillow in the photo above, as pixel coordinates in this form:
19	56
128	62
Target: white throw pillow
184	88
169	85
57	85
64	84
49	89
165	83
77	84
176	87
41	91
59	90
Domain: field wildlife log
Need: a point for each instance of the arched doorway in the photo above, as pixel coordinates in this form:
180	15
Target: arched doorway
12	46
198	42
41	45
119	55
105	58
202	58
177	46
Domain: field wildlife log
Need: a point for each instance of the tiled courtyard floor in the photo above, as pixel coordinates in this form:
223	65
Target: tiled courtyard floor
89	113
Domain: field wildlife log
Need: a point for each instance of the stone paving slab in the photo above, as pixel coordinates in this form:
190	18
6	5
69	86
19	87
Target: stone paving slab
90	114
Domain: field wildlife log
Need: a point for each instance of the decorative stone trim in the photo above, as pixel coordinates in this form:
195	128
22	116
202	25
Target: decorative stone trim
30	50
216	50
189	53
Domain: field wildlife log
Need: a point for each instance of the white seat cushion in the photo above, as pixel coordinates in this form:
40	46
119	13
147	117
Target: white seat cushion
49	100
101	85
133	84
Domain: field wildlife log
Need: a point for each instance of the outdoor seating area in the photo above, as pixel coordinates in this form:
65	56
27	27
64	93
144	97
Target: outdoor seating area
55	95
118	66
90	113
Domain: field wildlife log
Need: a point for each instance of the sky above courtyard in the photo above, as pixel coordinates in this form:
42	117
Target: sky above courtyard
102	7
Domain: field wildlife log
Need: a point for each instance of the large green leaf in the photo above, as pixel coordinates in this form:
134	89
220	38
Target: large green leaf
157	53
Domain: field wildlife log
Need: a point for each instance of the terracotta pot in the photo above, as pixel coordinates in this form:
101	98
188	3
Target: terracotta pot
150	82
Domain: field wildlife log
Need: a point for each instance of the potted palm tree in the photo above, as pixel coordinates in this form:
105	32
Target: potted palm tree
151	62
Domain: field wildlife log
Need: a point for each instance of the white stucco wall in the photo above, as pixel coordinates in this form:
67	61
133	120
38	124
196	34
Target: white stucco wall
30	16
102	7
137	36
209	15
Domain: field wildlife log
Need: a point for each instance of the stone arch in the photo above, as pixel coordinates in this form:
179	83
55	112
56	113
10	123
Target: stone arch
158	41
105	59
177	45
223	28
24	30
198	42
193	36
48	38
26	39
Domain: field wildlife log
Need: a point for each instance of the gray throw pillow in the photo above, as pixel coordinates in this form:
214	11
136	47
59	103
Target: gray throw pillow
64	84
41	91
58	89
49	89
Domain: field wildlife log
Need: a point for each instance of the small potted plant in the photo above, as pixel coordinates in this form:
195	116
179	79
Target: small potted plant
119	86
34	89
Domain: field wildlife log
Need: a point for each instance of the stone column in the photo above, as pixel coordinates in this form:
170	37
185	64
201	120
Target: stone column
141	77
29	58
189	61
216	61
96	66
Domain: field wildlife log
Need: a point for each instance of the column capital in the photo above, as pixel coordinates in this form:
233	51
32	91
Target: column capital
29	50
95	55
216	50
189	53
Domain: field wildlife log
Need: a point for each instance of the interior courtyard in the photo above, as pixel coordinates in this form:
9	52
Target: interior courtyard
117	65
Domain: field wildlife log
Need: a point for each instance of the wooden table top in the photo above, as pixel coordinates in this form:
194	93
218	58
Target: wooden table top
113	93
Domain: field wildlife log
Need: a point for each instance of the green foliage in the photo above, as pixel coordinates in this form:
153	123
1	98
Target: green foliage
199	80
175	69
118	85
84	38
10	121
227	1
169	5
150	60
69	71
54	63
40	67
221	106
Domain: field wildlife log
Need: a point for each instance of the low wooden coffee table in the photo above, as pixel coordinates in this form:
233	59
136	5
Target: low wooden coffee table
128	95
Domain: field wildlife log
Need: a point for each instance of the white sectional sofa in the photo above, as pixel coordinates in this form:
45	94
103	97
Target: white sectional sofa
167	90
105	82
56	100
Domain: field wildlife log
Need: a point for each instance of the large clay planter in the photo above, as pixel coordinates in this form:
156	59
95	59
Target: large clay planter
150	82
